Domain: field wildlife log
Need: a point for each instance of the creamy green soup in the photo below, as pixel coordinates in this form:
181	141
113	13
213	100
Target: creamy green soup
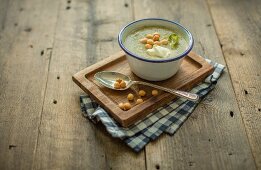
133	44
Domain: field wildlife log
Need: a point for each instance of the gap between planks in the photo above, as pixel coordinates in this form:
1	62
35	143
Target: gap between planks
49	51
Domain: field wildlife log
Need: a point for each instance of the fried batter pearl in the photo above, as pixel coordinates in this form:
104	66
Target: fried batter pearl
164	42
151	42
123	84
148	46
117	85
130	96
154	92
142	93
139	101
121	106
127	106
149	36
156	37
143	40
118	80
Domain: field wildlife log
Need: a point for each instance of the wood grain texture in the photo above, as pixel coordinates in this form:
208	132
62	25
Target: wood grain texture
210	138
193	70
243	21
23	76
67	140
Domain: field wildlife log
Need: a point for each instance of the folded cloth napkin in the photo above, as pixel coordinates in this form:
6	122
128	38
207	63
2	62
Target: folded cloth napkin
166	119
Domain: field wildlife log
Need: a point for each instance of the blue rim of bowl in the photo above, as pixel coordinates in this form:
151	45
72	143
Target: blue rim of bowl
191	43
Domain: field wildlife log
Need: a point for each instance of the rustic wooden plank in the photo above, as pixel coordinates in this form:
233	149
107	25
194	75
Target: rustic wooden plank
86	32
214	136
240	35
23	76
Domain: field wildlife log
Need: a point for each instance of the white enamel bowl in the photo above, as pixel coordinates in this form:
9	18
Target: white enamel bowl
155	69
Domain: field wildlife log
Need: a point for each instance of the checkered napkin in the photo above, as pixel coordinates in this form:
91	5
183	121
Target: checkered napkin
166	119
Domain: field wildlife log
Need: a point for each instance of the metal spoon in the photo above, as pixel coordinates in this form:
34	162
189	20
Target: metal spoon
108	78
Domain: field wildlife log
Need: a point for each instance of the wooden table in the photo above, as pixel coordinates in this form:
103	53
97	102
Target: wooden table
44	42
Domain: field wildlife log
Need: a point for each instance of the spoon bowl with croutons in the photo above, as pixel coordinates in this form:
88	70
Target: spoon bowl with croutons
119	81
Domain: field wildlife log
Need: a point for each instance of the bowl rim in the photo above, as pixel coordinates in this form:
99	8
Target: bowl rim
190	46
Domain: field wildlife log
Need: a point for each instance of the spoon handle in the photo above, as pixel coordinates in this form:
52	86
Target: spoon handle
187	95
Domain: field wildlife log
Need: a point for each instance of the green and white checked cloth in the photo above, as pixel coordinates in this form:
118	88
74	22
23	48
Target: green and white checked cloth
168	118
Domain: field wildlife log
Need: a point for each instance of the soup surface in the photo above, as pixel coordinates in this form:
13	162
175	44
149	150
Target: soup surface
133	42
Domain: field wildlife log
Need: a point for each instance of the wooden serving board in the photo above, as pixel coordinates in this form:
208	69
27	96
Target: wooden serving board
193	70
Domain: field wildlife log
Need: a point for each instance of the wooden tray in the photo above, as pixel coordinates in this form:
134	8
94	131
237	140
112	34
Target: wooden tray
193	70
